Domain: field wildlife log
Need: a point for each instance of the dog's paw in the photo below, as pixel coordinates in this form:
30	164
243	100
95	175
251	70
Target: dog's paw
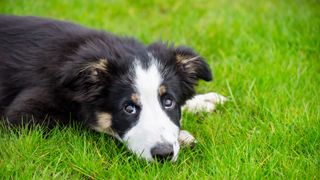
186	139
204	102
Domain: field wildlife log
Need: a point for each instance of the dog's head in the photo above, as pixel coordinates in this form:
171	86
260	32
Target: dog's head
136	93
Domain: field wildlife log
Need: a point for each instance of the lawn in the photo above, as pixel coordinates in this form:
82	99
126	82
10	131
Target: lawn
265	57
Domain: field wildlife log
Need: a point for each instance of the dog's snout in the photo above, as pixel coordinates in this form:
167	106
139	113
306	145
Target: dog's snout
162	151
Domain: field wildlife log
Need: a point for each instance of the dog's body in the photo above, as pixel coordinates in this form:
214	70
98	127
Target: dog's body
53	71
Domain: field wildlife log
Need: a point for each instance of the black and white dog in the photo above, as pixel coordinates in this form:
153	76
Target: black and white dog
54	71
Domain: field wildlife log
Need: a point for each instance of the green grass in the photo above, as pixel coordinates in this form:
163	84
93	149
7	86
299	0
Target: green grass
265	56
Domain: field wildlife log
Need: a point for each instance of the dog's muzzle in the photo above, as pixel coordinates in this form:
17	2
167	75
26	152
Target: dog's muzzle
162	152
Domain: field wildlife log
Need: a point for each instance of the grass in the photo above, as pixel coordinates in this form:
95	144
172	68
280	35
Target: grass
265	56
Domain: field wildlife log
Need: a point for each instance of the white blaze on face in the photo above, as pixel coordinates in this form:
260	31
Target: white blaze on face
153	126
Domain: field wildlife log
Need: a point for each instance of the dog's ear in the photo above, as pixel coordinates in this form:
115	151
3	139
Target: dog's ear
191	67
84	79
191	64
94	71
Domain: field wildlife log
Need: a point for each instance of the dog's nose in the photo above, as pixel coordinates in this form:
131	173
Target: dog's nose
162	151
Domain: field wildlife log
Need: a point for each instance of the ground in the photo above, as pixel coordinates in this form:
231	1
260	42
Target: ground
265	58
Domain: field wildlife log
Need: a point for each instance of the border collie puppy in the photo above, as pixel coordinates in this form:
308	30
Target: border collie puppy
54	71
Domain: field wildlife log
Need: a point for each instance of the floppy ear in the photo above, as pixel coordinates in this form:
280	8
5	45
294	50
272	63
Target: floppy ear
191	67
191	64
84	79
94	71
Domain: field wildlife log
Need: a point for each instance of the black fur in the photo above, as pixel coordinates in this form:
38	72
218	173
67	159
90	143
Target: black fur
45	71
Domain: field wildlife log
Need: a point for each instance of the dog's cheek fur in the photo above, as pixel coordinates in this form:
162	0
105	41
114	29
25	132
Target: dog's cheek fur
103	123
117	95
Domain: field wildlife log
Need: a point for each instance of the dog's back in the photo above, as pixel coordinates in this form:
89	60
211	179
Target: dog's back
39	52
31	49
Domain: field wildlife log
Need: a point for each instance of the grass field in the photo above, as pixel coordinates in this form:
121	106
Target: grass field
266	59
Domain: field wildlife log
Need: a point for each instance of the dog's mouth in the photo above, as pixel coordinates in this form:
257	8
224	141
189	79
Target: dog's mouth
152	146
157	143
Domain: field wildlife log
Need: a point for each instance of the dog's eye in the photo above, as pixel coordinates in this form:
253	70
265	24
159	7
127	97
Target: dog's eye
130	109
168	103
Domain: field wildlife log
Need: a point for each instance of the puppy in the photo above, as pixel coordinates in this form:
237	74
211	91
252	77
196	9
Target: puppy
55	72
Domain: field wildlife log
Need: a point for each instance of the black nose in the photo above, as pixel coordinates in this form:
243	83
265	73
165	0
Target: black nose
162	152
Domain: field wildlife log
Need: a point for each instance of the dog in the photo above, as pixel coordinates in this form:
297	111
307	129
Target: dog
55	72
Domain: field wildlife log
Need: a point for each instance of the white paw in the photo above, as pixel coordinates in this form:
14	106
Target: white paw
204	102
186	139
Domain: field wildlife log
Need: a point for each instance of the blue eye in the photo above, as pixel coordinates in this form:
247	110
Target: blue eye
168	103
130	109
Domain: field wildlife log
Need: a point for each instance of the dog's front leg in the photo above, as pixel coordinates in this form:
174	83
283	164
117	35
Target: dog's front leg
30	106
186	139
204	102
199	103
